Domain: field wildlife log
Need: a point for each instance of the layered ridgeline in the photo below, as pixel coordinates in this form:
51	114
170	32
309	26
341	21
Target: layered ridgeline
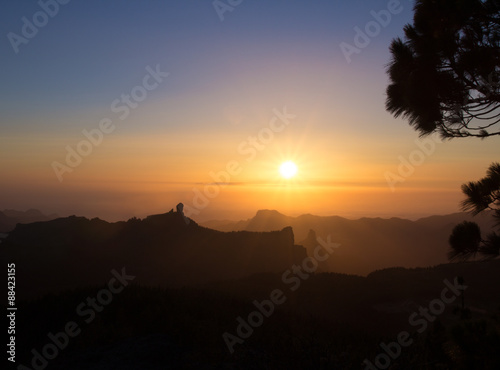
366	244
9	218
167	249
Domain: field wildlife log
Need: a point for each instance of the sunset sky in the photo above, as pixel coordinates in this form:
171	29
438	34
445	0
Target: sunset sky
231	76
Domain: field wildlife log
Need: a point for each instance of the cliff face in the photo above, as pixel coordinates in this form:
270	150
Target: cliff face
165	249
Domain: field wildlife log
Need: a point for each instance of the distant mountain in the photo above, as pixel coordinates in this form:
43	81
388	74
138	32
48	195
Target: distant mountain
368	244
159	250
9	218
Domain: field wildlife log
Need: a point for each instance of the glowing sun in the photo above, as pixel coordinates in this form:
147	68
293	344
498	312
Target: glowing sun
288	169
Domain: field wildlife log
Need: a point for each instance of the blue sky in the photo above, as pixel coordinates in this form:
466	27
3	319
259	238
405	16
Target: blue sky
92	49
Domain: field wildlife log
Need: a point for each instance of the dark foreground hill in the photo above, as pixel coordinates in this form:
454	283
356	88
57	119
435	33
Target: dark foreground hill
166	249
331	321
366	244
163	293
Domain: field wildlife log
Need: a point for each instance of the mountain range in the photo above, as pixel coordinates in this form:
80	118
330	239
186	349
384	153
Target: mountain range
166	249
366	244
192	285
9	218
171	250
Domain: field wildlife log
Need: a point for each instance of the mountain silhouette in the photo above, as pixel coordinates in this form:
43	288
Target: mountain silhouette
9	218
192	284
366	244
166	249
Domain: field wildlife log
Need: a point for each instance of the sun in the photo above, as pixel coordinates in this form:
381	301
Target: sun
288	169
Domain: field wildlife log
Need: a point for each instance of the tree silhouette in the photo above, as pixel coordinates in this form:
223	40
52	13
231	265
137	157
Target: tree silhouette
445	74
465	239
484	194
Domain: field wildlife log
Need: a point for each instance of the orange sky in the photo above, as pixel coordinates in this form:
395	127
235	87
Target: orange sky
133	175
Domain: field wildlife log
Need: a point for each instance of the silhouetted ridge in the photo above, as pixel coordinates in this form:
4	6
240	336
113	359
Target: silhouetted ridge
367	244
268	213
9	218
165	249
268	220
171	218
311	240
